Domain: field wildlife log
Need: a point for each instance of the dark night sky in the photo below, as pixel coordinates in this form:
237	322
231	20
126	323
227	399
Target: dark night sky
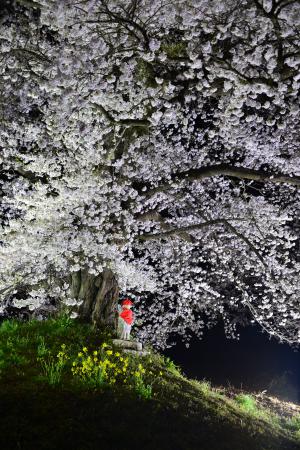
254	362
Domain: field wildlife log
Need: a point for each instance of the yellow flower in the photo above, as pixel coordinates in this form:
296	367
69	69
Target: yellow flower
104	345
95	353
160	373
85	349
109	352
121	359
80	354
118	354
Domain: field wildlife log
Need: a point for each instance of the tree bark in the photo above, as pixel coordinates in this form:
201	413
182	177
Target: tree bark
216	170
99	295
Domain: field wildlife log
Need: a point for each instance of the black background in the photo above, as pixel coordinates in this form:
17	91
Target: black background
253	363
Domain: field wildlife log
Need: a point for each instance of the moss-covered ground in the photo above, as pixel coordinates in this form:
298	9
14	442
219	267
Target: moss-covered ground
43	405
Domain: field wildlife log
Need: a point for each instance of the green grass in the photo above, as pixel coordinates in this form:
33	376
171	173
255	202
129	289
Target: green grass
247	402
44	405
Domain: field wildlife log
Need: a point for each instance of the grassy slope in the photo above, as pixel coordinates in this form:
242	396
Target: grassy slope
182	414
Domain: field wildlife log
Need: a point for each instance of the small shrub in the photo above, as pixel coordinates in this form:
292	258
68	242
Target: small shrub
143	390
293	424
42	349
53	366
61	325
171	366
52	370
63	321
247	402
10	355
23	341
205	387
2	360
9	326
137	380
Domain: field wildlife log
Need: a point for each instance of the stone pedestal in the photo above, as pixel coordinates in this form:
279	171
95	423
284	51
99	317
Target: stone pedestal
129	345
136	352
133	347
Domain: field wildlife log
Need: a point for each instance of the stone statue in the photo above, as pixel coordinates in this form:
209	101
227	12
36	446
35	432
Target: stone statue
125	319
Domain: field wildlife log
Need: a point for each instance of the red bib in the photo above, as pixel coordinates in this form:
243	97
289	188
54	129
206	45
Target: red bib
127	315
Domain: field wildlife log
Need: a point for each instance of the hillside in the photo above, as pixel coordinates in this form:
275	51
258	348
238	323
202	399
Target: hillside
63	385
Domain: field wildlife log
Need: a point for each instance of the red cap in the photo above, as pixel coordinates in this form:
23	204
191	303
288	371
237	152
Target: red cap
127	301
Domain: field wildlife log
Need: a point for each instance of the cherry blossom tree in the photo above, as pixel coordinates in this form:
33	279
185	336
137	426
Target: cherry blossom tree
151	148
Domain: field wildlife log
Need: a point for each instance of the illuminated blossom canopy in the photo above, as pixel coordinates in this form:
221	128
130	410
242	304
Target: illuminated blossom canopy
159	140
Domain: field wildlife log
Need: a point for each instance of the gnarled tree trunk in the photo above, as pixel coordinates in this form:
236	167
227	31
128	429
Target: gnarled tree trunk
99	294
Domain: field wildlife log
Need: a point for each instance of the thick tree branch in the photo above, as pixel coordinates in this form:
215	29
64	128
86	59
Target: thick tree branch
181	230
282	4
36	55
7	288
225	170
29	3
31	176
128	122
178	231
156	216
